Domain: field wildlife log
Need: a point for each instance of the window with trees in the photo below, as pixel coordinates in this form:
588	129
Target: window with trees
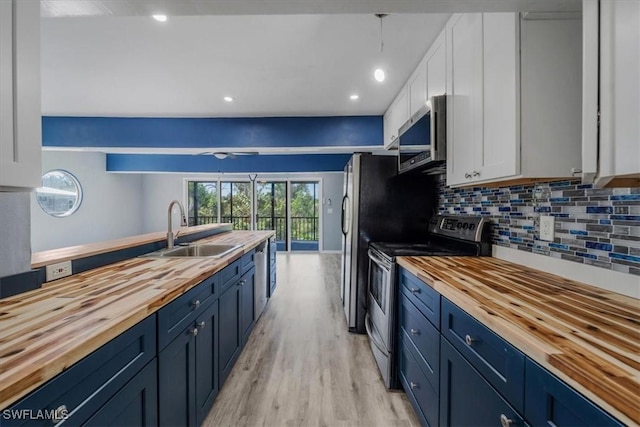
203	202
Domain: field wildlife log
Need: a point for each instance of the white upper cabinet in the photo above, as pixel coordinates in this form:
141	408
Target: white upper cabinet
514	86
464	87
20	117
396	115
428	79
611	151
436	62
417	88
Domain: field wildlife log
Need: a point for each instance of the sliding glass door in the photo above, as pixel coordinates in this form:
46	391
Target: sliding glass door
202	202
290	208
305	216
271	210
235	204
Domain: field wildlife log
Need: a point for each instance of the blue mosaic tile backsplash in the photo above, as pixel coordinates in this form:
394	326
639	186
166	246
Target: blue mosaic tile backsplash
595	226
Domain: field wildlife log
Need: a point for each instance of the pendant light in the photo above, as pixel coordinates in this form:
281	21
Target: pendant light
379	73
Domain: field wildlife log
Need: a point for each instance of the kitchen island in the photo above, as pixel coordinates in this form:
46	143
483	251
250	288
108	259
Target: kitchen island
586	336
46	331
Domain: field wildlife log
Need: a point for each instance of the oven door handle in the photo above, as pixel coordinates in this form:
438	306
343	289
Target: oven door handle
373	334
379	261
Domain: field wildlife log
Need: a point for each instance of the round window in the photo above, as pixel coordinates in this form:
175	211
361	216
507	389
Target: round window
60	194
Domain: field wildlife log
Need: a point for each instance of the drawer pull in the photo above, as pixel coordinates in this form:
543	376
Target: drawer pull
476	173
201	325
415	331
414	290
467	175
504	421
414	385
469	340
196	304
194	332
61	413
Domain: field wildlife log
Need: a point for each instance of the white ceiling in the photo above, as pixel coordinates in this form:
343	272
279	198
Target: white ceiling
275	57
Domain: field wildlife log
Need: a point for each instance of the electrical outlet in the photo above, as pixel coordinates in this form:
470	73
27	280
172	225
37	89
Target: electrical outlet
547	228
58	271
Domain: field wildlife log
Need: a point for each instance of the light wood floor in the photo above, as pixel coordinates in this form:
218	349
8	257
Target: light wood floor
301	367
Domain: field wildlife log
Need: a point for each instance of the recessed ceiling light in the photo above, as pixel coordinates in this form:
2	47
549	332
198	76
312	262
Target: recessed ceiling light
228	98
160	18
354	97
379	75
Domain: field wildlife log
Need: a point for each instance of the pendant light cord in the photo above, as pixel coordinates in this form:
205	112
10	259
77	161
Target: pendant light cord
381	15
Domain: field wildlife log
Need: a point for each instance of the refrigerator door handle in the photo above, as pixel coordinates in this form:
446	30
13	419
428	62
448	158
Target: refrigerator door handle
345	229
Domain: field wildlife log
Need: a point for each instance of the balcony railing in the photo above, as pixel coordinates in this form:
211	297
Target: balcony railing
303	228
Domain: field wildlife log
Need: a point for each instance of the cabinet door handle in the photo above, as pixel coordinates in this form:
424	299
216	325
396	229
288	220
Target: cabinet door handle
505	421
60	414
414	385
201	325
196	304
476	173
467	175
194	332
415	331
242	282
415	290
469	340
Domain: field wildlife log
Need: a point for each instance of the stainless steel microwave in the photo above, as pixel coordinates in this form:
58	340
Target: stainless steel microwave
422	144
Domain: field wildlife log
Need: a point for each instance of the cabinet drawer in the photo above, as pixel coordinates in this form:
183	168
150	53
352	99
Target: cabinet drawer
498	361
549	401
87	385
178	314
423	396
424	338
247	261
230	275
466	398
425	298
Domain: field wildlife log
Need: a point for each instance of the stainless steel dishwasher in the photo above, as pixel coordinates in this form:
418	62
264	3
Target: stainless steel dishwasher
260	291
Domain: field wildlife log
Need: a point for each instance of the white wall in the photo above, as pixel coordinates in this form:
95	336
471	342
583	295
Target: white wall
159	189
111	207
15	248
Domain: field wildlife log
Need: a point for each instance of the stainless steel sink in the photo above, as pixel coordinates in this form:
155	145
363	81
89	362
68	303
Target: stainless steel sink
205	250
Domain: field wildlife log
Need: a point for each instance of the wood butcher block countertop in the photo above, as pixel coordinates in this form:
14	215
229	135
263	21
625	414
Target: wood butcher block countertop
588	337
45	331
53	256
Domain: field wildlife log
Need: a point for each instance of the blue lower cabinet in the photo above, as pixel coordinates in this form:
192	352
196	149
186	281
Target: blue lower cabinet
247	302
422	395
500	363
188	372
84	388
550	402
206	361
466	398
230	341
135	405
177	381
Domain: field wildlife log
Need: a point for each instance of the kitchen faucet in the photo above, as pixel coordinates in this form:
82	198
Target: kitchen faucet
183	221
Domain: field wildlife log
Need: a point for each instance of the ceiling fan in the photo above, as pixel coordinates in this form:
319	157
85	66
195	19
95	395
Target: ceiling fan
227	154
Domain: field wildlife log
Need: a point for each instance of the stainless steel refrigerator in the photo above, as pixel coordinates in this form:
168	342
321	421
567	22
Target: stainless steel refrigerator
378	205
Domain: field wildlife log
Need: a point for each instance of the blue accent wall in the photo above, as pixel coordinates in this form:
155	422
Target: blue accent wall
249	164
208	133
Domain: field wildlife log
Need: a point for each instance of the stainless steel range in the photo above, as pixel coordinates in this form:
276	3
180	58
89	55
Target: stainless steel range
448	236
